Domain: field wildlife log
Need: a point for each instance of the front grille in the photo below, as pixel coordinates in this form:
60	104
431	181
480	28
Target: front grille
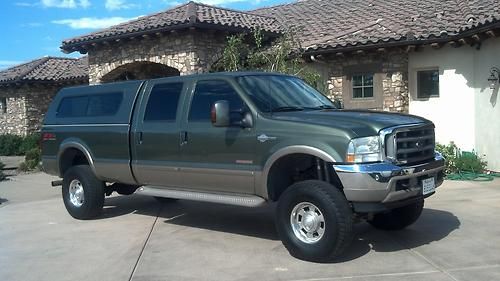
411	145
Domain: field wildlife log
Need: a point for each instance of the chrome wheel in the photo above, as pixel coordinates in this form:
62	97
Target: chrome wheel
307	222
76	194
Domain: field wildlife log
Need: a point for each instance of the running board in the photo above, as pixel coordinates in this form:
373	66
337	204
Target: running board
222	198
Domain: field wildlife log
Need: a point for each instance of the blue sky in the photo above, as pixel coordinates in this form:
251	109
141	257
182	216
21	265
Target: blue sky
35	28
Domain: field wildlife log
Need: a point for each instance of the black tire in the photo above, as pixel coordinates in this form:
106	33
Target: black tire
398	218
337	215
164	200
93	191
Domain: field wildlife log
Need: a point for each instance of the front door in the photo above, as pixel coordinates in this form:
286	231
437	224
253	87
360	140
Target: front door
155	147
217	158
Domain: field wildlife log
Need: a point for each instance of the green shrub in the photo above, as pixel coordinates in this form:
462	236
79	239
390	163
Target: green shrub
2	175
30	142
31	160
11	145
470	162
449	153
457	161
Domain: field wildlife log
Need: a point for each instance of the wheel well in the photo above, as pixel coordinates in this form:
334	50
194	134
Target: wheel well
71	157
298	167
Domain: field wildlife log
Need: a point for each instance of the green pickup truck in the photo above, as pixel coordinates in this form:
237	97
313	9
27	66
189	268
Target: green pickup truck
244	139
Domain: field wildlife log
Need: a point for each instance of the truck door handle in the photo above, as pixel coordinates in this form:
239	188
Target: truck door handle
183	138
140	138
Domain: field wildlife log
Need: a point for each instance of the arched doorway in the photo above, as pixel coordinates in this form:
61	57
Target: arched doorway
139	70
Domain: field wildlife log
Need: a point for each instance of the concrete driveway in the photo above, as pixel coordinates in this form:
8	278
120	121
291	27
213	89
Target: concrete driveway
457	238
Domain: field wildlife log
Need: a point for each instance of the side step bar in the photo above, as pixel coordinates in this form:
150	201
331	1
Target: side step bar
222	198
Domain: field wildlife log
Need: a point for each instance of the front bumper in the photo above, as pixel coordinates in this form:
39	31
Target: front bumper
387	183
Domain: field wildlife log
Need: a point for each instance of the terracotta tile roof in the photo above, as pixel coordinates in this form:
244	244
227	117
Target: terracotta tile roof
46	69
331	24
189	14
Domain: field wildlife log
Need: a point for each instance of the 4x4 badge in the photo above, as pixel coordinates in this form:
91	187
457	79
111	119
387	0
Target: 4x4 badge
264	138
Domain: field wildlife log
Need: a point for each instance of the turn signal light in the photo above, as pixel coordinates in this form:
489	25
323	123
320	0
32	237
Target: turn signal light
48	136
350	158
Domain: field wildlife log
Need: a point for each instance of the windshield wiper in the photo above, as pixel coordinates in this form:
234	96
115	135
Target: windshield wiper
287	108
323	106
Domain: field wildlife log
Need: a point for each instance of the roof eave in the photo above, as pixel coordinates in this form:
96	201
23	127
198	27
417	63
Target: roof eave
78	46
404	42
17	83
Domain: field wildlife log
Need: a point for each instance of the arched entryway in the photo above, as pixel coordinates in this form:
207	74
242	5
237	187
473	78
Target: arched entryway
139	70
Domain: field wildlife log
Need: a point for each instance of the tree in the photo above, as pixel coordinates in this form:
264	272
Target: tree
245	52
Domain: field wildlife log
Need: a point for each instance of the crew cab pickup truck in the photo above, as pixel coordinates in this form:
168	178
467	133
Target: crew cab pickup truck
244	139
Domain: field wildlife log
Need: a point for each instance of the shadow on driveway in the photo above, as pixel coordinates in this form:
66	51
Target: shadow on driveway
433	225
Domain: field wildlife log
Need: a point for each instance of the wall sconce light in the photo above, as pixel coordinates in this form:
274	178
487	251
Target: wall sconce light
494	77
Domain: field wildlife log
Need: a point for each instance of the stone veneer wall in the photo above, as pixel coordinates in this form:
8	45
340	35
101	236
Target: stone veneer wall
393	67
187	51
14	120
26	108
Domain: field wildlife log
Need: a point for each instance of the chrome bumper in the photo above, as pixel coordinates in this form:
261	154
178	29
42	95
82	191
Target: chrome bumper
386	182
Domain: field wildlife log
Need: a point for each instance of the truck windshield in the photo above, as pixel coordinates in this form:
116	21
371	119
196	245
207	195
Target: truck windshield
273	93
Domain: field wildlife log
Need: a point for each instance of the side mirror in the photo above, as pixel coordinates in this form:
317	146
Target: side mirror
220	114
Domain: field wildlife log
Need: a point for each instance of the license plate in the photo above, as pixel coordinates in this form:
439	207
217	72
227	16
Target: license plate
428	186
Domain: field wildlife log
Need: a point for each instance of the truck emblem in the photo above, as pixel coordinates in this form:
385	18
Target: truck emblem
263	138
417	144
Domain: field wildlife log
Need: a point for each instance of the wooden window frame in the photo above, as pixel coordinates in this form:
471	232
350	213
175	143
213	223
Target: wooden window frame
363	86
417	83
375	102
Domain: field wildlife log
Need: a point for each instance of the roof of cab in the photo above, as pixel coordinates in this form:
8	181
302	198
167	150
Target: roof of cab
191	76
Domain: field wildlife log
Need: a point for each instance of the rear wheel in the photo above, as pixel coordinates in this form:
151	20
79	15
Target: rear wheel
314	221
82	192
398	218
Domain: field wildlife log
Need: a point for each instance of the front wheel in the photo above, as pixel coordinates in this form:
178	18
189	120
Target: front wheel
314	221
398	218
82	192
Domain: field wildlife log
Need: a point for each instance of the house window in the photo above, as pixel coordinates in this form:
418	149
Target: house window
427	84
3	105
362	86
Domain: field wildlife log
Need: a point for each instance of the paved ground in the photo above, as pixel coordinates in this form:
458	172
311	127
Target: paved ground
457	238
11	162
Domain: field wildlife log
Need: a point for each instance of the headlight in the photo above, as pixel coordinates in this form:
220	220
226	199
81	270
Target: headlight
364	150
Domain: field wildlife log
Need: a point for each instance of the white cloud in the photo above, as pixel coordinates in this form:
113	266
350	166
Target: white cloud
8	63
92	23
118	5
70	4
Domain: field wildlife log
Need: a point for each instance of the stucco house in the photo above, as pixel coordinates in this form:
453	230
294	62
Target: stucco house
26	90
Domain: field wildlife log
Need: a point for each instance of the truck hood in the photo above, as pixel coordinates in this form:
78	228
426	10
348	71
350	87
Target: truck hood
360	122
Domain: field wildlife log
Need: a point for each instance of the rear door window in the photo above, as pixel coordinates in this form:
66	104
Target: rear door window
163	102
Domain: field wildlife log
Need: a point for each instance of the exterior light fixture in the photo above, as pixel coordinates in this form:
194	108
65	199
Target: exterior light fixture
494	77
